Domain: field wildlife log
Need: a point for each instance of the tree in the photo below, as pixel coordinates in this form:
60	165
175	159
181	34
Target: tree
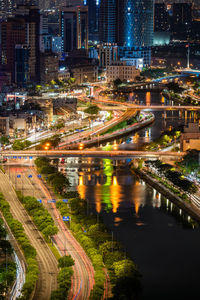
47	169
117	82
50	230
64	278
92	110
125	268
20	145
65	261
109	246
4	140
41	161
6	247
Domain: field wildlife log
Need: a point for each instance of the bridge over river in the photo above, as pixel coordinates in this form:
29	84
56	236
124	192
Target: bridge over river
31	154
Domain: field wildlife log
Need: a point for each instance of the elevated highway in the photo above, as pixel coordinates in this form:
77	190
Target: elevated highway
123	106
31	154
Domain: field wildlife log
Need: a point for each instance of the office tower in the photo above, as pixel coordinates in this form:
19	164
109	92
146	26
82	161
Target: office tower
135	23
135	28
182	20
22	29
74	28
161	18
21	64
31	16
13	32
108	21
93	13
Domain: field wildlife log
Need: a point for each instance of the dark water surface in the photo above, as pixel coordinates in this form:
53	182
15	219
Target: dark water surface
162	121
158	236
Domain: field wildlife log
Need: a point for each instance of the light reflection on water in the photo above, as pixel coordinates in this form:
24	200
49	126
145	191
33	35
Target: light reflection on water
158	236
113	190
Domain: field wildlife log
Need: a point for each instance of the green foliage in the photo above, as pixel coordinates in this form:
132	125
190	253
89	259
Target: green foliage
124	268
42	161
117	82
4	140
65	261
190	162
156	72
99	246
58	181
65	264
20	145
39	214
28	250
53	142
7	266
121	125
92	110
174	176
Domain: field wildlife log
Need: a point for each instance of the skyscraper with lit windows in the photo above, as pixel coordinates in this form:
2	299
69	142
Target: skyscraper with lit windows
135	23
74	28
108	21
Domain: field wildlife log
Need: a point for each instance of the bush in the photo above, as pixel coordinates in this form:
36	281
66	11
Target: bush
28	250
41	217
65	264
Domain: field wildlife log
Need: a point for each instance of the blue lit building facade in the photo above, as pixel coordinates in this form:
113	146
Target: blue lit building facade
135	27
74	28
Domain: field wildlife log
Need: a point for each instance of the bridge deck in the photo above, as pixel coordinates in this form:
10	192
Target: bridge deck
88	153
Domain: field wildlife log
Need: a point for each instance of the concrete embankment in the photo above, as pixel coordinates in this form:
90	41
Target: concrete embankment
119	133
186	207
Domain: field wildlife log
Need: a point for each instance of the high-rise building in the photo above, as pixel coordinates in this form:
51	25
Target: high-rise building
94	18
13	32
182	20
74	27
21	65
135	23
22	29
31	15
161	18
108	21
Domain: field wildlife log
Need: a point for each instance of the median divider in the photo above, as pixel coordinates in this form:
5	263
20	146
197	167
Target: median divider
27	249
45	224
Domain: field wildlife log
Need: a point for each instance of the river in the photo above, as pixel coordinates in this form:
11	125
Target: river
151	133
162	240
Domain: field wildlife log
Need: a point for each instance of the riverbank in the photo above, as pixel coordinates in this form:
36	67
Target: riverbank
147	120
185	206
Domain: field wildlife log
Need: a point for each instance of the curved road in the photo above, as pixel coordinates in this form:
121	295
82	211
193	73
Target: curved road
47	281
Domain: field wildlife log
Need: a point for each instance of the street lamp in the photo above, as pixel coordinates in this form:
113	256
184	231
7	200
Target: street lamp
115	147
46	146
81	146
